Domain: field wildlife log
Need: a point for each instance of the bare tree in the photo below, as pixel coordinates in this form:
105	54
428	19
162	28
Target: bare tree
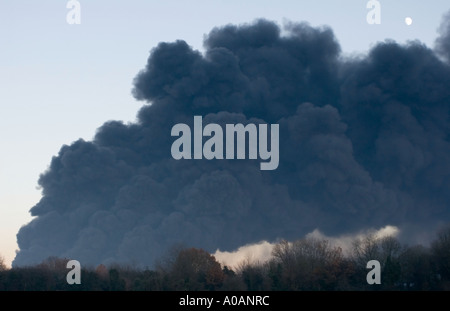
253	274
366	249
390	247
417	272
372	247
193	269
440	249
54	263
306	261
2	264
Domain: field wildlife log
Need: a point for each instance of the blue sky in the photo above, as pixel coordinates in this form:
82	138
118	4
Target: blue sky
60	82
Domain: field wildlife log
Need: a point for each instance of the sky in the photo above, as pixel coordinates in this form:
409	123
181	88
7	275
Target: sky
61	82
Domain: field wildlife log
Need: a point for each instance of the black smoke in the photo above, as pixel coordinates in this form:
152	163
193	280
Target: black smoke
364	142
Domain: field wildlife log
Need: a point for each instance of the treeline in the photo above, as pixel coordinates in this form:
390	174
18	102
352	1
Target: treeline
306	264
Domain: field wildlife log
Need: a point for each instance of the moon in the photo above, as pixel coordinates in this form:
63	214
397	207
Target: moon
408	21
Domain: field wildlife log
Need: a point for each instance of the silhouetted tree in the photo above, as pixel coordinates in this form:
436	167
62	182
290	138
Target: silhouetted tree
305	263
254	276
148	281
387	251
275	274
417	269
366	249
54	264
2	264
440	249
116	283
232	281
193	269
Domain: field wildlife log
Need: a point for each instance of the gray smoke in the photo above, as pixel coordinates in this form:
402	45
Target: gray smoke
363	143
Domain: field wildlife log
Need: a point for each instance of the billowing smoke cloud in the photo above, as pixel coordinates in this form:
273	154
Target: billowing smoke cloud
248	254
346	241
443	42
363	143
262	252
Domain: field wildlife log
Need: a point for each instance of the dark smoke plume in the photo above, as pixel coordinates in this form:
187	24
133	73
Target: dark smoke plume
363	143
